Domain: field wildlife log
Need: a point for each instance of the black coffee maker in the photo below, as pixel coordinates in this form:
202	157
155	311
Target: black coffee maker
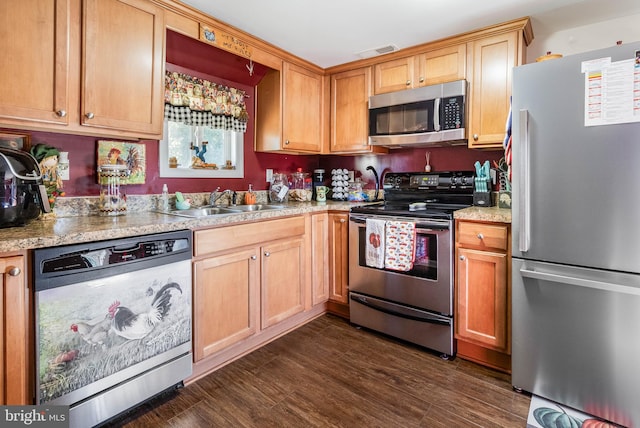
318	180
22	194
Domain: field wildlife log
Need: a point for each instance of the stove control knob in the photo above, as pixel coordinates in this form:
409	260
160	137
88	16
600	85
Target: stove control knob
463	180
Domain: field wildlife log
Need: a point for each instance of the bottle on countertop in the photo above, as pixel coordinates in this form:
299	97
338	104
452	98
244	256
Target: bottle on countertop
164	198
250	196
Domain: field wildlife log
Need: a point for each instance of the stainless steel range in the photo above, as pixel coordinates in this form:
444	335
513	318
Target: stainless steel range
411	300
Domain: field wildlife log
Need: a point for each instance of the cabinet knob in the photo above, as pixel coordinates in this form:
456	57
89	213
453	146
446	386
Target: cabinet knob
421	79
14	271
61	113
267	254
463	258
286	143
254	257
89	115
342	220
408	82
475	137
480	236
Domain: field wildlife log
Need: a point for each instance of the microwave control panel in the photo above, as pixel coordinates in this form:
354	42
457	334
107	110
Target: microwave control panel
452	113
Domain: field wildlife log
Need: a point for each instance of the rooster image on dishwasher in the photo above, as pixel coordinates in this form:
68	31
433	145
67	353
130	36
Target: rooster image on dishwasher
94	329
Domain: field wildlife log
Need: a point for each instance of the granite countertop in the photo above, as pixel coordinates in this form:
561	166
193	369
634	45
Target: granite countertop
500	215
75	229
72	230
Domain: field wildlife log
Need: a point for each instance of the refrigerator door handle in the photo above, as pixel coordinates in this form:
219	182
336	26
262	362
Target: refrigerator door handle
580	282
524	215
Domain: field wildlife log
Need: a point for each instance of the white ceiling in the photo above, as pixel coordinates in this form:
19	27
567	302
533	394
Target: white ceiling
332	32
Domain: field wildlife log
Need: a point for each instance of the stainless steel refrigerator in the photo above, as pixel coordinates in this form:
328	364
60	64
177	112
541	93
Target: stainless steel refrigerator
576	231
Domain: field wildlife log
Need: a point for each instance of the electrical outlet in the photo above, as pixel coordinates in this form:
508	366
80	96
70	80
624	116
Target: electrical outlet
269	175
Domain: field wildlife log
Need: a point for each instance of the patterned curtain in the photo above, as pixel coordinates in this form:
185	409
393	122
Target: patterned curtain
195	101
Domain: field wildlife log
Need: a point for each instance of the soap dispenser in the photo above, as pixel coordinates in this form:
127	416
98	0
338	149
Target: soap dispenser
250	196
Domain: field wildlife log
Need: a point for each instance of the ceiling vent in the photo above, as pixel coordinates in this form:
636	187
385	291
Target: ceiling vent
377	51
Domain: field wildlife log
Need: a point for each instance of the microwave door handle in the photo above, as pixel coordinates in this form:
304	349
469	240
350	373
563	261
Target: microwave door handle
436	114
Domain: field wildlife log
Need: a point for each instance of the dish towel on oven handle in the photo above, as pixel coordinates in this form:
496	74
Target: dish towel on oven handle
400	245
375	230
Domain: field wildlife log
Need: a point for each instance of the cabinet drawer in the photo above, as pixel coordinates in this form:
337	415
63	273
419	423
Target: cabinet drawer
224	238
483	235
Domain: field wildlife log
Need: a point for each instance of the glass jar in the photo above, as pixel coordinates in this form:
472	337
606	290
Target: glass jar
355	191
279	188
113	199
300	186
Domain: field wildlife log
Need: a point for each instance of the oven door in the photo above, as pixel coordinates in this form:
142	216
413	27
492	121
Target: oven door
429	285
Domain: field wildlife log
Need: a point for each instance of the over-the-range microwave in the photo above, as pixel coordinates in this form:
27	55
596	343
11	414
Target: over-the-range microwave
427	116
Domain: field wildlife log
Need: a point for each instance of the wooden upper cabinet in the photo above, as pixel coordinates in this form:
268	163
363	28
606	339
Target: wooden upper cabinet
122	63
34	40
302	109
442	65
428	68
350	91
289	111
395	75
492	60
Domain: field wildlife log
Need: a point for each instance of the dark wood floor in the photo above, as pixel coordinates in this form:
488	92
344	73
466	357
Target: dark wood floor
328	373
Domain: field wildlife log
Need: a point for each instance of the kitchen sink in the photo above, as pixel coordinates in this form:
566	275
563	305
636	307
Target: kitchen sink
258	207
209	211
204	212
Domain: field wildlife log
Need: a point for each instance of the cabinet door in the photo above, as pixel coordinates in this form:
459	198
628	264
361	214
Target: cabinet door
442	65
34	41
302	109
319	258
492	60
282	281
13	332
122	83
482	294
339	257
394	75
350	93
225	300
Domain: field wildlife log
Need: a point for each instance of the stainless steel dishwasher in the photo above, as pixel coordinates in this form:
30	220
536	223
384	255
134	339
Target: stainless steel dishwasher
113	323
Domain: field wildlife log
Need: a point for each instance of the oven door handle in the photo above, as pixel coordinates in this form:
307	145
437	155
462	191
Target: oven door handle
421	227
426	318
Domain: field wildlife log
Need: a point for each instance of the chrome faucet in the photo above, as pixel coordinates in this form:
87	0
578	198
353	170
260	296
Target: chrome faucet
215	195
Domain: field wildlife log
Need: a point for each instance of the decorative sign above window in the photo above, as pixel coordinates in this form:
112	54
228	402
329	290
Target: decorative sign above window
225	41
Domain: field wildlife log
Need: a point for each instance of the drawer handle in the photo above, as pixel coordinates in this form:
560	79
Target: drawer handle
14	271
480	236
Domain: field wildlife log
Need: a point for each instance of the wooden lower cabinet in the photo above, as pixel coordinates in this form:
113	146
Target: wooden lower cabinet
283	282
483	293
339	264
226	296
252	283
319	258
14	336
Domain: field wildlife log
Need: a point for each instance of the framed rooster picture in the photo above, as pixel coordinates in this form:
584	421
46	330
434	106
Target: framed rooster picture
124	153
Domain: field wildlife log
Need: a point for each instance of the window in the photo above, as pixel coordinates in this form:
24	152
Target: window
195	159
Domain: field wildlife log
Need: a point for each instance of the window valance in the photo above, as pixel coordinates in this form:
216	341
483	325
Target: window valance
195	101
